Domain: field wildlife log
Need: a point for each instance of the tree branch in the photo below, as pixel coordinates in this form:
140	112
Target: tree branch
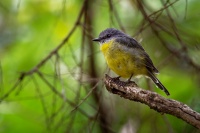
52	53
160	104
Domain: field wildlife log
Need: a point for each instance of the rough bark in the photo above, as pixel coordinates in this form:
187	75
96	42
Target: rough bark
156	102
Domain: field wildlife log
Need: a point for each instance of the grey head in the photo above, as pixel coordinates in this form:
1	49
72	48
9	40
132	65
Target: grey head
108	34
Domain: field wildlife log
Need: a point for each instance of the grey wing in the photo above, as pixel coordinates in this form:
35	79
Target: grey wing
132	43
149	64
129	42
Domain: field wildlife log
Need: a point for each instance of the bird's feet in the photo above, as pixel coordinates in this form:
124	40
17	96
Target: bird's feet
129	82
116	78
118	81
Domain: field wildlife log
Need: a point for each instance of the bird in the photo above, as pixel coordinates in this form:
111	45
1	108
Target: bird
126	57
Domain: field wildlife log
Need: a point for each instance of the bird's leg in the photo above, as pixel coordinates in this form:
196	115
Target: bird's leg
131	83
130	78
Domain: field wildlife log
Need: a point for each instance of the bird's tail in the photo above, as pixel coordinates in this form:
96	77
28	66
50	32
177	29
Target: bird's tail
158	83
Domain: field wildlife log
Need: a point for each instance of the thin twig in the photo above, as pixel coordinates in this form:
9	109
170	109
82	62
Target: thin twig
53	52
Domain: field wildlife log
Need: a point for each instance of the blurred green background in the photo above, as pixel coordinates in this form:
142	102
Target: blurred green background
66	94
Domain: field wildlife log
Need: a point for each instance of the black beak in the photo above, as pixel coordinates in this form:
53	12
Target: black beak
96	39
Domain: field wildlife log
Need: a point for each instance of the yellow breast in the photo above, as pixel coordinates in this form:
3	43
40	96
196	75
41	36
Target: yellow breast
123	60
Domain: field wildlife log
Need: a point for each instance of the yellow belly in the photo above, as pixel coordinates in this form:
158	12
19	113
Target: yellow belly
123	61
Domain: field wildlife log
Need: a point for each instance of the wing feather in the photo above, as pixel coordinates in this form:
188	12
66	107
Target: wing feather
133	44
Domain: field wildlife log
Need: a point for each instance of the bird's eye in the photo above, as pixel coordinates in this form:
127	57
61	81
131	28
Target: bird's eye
108	35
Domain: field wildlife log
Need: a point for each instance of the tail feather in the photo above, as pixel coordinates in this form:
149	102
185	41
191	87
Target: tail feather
158	83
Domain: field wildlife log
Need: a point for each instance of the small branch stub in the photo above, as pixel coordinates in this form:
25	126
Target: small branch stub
130	90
